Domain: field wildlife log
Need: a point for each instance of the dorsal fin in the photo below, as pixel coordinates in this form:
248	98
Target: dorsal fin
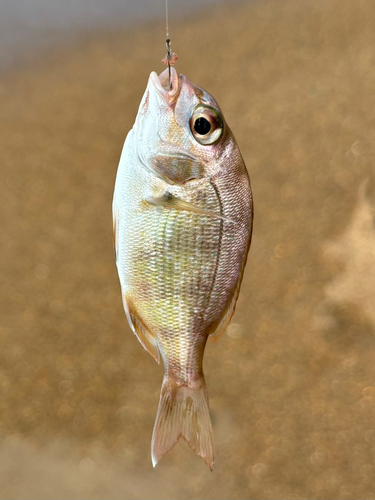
144	336
222	326
225	321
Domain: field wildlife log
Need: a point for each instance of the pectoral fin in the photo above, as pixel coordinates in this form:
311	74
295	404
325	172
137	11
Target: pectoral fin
168	200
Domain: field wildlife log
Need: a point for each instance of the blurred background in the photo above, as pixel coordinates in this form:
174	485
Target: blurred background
292	382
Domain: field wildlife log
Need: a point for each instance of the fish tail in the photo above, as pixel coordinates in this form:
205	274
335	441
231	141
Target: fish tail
183	411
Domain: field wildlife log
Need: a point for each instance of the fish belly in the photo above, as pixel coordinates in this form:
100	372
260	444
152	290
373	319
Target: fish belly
178	270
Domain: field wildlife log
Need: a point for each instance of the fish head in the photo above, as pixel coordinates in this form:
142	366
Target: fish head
180	130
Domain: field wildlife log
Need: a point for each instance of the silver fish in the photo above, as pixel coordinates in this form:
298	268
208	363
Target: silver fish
182	214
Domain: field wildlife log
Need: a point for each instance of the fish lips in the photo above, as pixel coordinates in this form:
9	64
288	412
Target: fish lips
169	90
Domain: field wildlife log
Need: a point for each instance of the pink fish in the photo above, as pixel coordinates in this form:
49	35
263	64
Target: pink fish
182	213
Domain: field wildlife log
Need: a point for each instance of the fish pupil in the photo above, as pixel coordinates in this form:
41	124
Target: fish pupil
202	126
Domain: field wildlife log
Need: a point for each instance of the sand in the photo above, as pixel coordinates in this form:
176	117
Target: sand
292	382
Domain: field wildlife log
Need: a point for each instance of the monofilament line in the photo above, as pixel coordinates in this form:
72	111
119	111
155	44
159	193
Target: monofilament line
168	43
166	19
170	57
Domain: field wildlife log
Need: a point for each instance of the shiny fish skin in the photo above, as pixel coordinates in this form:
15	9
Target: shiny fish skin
182	214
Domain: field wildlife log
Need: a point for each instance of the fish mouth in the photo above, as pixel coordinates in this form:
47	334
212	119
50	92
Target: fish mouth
168	89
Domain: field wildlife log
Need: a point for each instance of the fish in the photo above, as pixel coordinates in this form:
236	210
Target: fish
182	222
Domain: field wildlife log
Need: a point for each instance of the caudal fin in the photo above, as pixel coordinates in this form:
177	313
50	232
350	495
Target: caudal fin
183	411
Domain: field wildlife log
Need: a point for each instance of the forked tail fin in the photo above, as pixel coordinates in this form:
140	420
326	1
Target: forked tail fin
183	411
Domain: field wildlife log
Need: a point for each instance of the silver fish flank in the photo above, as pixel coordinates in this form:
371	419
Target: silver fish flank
182	214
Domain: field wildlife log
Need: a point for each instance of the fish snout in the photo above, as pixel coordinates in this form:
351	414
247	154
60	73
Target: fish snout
169	89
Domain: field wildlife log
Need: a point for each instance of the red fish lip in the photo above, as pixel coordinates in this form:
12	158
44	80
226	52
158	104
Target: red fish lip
161	83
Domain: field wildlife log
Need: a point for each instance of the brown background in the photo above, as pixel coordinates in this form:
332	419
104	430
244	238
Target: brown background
292	383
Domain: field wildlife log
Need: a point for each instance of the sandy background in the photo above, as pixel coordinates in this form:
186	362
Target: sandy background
292	383
29	26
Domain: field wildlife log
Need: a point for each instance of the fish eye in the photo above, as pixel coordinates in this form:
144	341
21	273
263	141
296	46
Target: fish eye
202	126
206	125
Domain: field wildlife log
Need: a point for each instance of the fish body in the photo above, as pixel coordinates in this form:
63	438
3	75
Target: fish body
182	213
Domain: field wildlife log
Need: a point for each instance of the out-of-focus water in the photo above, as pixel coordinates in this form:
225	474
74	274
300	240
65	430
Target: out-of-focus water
28	26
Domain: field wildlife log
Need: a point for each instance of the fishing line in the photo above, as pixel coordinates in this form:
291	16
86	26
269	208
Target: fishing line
170	57
166	19
168	44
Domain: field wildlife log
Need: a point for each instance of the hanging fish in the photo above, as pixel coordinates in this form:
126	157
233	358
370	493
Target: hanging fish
182	214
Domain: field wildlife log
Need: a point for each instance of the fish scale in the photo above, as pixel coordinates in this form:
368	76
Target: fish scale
182	212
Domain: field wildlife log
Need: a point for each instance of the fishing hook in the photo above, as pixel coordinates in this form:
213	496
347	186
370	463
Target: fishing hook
168	57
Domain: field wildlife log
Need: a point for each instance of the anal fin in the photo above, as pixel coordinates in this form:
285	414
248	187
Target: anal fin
147	340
